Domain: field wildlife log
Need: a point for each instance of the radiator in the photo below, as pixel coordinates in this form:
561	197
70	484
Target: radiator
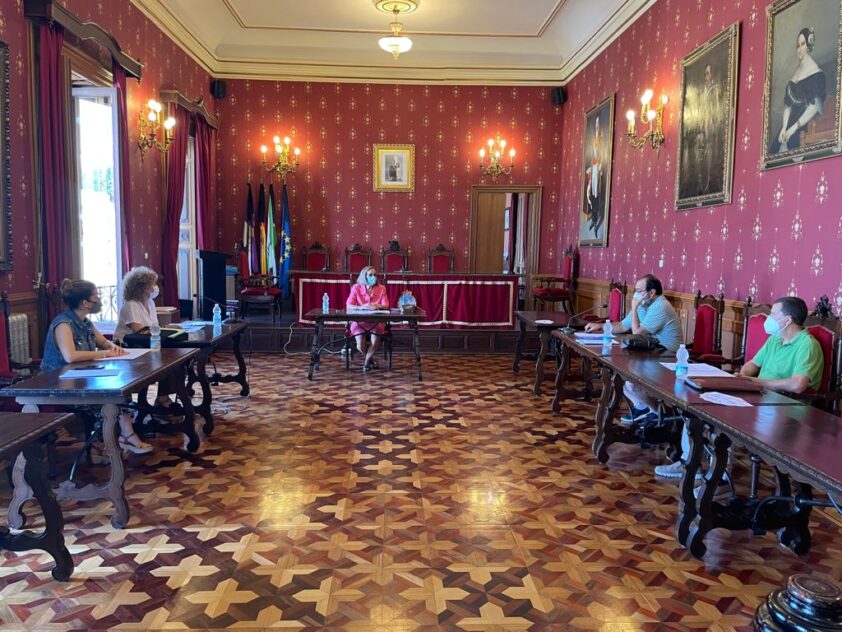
19	338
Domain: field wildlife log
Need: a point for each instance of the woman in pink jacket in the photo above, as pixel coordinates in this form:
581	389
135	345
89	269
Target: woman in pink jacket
367	293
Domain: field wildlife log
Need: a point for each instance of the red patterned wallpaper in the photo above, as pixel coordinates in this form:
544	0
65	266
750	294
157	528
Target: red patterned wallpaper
335	124
783	231
165	66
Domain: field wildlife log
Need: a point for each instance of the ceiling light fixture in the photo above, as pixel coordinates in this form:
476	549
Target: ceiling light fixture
396	43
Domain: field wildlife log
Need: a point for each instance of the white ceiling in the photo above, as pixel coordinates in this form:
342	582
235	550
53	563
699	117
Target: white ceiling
527	42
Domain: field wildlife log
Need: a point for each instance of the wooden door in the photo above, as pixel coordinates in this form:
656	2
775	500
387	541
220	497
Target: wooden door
487	232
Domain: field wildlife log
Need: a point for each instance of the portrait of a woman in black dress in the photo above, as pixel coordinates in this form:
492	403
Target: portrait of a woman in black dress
804	97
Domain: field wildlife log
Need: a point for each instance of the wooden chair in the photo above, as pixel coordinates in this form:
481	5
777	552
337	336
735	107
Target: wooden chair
828	333
394	258
617	293
553	288
257	289
356	258
440	260
316	257
754	336
707	331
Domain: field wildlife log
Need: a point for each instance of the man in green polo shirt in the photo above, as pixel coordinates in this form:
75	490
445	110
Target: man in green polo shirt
791	359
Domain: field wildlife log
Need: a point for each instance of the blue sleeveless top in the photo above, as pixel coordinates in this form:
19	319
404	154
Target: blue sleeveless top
83	338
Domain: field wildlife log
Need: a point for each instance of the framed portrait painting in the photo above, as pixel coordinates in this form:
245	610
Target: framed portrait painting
706	122
801	114
5	164
394	167
595	202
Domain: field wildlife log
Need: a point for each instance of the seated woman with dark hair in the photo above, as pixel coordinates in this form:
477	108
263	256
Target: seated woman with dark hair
137	315
367	293
72	337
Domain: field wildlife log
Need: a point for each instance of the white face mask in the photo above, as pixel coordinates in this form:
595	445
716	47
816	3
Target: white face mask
154	293
639	296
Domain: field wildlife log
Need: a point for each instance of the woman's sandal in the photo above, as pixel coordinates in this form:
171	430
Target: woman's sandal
135	444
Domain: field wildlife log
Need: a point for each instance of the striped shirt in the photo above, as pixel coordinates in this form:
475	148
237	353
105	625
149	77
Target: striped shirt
660	320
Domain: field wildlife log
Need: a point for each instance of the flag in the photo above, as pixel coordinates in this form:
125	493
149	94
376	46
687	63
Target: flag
259	232
285	258
247	227
271	236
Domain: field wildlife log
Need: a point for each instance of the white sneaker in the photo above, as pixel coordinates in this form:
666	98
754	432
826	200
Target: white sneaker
673	470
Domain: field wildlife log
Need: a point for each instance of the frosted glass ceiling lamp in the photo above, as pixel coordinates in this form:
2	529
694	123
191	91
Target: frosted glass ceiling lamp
396	43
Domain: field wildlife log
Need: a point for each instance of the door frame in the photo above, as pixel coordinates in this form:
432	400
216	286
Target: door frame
533	237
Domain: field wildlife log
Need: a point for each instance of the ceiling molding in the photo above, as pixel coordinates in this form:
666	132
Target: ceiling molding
228	67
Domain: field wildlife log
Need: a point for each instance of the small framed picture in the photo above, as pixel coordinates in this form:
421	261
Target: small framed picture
394	167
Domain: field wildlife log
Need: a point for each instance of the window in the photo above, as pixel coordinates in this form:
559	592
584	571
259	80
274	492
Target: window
187	233
98	194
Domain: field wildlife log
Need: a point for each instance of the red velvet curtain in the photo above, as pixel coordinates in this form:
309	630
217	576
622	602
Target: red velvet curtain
51	109
205	168
176	157
123	147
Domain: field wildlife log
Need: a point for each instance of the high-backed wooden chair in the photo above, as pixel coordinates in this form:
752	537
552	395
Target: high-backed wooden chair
356	258
828	333
550	289
394	258
257	289
316	257
440	260
754	336
707	331
617	293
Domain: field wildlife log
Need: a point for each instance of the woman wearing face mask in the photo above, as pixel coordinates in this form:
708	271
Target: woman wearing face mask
72	337
137	315
367	293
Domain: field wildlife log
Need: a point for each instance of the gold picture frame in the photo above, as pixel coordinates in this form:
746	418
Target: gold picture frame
707	118
595	187
394	167
802	110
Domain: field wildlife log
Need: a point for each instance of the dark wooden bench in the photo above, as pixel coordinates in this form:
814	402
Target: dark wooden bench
21	432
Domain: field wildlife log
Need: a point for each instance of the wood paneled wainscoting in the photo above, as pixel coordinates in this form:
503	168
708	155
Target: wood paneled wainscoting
593	292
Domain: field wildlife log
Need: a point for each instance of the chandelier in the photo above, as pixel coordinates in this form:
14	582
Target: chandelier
154	132
284	163
489	160
396	43
653	118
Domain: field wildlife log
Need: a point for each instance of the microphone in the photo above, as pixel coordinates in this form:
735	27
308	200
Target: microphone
569	330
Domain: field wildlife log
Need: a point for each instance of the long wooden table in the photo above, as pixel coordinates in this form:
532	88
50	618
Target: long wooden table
23	433
109	392
799	441
343	316
542	322
451	301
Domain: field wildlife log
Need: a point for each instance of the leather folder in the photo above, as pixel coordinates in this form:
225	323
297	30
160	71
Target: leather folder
733	384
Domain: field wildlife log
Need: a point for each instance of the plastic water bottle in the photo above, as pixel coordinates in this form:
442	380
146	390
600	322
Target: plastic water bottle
154	336
682	367
217	315
325	303
607	333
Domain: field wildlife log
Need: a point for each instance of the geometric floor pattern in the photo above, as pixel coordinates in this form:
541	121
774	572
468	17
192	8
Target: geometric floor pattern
379	503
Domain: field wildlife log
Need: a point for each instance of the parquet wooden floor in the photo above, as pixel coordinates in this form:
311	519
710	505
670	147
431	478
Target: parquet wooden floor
377	503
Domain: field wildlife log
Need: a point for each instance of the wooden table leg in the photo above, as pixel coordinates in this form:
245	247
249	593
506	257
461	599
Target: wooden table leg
519	347
706	520
241	377
417	349
687	511
561	375
204	408
51	539
316	351
612	388
188	426
544	335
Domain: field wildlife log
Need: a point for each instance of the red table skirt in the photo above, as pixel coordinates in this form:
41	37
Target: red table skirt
450	300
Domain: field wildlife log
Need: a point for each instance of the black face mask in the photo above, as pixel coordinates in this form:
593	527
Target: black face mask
96	306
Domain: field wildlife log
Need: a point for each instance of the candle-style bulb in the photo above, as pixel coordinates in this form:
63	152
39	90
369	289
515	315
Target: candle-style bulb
630	116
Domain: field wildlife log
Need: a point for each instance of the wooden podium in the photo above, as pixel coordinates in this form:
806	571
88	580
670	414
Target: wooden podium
211	282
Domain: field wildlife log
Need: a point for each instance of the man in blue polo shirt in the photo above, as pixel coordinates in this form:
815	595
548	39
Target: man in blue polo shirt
651	313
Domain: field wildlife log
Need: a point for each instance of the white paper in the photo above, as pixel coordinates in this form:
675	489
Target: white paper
197	324
594	342
715	397
699	370
580	335
130	354
363	310
75	373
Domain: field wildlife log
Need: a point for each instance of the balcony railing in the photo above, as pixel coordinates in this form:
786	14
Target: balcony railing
110	309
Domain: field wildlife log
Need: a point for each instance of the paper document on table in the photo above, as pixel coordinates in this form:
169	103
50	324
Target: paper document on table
715	397
130	354
192	325
699	370
582	336
74	373
595	342
363	310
